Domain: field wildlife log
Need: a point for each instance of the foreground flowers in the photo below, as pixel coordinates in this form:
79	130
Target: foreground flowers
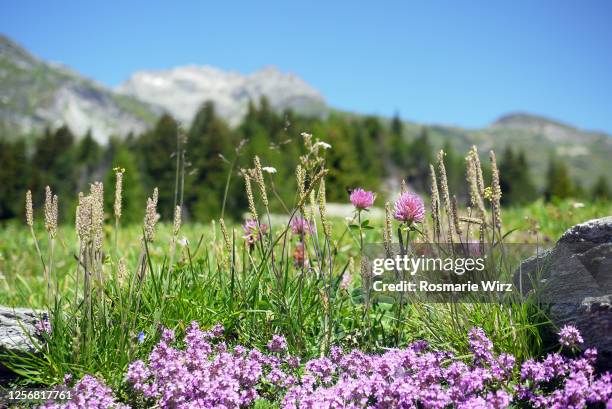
206	374
409	208
362	199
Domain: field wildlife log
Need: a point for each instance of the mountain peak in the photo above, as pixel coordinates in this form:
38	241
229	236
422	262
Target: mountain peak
182	90
35	94
525	120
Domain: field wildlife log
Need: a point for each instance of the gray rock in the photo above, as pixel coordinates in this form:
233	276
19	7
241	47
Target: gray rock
17	333
574	280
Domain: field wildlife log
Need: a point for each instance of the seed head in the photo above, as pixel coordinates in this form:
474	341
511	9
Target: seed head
29	209
323	210
497	193
226	238
151	216
435	202
118	191
122	269
300	176
260	181
50	212
250	198
456	215
97	214
388	230
177	221
83	218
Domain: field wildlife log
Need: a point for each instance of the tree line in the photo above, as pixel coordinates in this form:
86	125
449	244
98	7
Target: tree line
365	151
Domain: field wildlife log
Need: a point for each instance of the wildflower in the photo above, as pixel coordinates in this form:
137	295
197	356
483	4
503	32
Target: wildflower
298	254
43	326
67	379
322	144
253	231
346	280
300	226
141	337
183	241
269	169
362	199
167	335
480	345
569	336
278	343
409	208
88	393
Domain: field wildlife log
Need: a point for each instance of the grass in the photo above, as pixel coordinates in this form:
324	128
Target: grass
104	317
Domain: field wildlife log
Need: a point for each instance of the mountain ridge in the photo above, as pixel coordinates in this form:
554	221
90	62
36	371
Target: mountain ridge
181	91
35	94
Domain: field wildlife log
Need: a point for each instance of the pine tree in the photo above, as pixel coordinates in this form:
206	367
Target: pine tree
156	149
601	190
210	146
13	178
558	183
53	165
515	179
134	198
417	159
399	146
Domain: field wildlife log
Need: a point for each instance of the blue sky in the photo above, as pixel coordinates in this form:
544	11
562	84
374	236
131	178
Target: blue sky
463	63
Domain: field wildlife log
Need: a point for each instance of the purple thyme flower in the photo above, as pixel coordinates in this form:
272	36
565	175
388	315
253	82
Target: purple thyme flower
480	345
88	393
569	336
362	199
409	208
277	344
167	335
43	326
300	226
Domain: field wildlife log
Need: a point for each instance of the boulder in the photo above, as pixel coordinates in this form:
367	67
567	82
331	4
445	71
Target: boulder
17	333
574	281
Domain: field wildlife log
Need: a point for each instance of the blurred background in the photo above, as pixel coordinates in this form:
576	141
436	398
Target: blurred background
86	88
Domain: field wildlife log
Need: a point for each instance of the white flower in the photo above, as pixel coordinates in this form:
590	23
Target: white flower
577	205
305	134
183	241
322	144
269	169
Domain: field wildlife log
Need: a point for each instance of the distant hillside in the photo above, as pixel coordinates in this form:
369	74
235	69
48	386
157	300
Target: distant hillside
588	154
35	94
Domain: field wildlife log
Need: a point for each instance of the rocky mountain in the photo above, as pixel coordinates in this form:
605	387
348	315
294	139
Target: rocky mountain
182	90
35	94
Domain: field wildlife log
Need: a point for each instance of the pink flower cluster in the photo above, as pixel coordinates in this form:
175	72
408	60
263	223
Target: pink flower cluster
362	199
409	208
206	374
300	226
